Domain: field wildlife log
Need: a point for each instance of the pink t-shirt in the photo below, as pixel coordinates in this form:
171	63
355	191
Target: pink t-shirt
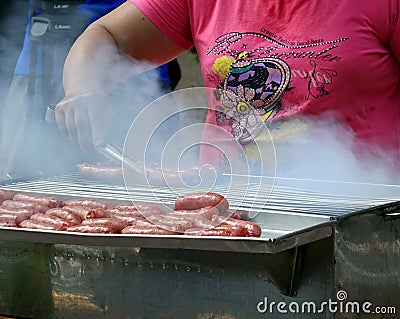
297	59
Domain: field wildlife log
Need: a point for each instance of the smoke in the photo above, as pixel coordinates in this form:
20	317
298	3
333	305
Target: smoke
29	144
330	158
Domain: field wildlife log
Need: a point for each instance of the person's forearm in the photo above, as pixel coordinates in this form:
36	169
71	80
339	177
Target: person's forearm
95	65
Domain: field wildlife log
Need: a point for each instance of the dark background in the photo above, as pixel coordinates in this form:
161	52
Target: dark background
13	20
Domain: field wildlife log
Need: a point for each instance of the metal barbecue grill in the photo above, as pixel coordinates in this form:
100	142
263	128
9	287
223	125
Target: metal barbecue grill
320	240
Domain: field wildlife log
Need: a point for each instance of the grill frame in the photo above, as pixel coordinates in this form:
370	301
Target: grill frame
190	279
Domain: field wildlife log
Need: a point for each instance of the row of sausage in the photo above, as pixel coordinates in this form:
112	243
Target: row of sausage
200	214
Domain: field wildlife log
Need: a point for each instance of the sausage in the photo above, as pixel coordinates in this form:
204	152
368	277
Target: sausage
70	217
202	222
93	229
131	220
14	204
172	224
5	195
143	223
7	223
118	224
140	207
85	212
200	200
220	230
225	231
91	203
37	225
251	229
183	221
140	230
99	172
15	218
206	212
81	211
42	200
57	222
5	210
127	213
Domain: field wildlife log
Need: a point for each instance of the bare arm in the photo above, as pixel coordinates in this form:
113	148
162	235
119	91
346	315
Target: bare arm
118	45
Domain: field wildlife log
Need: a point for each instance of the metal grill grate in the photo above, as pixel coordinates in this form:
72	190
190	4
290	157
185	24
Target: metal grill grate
287	196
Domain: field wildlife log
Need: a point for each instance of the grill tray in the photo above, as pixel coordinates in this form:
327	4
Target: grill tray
295	213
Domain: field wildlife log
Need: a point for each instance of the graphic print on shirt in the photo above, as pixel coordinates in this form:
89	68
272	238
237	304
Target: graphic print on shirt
254	71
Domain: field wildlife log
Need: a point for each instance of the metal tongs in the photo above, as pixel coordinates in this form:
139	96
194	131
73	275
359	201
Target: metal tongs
109	151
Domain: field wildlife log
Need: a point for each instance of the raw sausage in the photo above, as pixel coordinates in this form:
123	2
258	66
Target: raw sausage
207	212
15	217
99	172
200	200
91	203
251	229
140	208
85	212
5	195
147	230
70	217
4	210
118	224
37	225
14	204
42	200
92	229
55	221
220	230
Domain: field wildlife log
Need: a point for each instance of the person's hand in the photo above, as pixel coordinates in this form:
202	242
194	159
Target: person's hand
85	119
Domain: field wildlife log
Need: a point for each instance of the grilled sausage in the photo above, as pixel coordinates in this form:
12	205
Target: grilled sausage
5	195
42	200
14	204
70	217
200	200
